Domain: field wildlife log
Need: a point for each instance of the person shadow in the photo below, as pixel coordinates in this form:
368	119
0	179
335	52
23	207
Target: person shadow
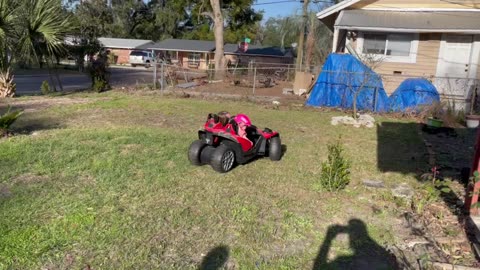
367	254
215	259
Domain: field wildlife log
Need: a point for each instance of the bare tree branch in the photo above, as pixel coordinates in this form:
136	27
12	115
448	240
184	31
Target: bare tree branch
208	14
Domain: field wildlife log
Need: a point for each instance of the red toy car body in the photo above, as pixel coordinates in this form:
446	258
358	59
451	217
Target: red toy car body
220	145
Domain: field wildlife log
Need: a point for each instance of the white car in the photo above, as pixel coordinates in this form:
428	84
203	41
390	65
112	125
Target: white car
141	58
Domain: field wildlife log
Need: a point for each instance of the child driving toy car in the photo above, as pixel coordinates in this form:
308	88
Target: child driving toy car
243	123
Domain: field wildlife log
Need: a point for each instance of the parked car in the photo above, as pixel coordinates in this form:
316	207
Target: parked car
141	58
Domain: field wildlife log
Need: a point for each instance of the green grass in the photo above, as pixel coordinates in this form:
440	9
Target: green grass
106	182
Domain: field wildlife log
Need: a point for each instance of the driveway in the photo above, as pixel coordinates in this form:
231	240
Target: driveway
30	84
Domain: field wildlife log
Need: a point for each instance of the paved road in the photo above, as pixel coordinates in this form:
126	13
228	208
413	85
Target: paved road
30	84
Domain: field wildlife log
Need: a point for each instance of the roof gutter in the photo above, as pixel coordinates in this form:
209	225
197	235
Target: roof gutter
177	50
336	8
408	30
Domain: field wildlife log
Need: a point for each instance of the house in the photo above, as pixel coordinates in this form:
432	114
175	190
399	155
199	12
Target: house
199	54
259	55
185	53
122	47
435	39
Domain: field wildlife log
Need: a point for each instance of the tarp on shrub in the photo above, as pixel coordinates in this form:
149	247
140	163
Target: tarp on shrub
342	76
411	94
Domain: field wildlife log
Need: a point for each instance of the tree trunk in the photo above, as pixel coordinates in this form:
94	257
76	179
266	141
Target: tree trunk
218	31
301	37
57	76
7	86
310	43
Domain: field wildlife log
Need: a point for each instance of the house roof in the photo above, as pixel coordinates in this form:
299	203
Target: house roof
401	21
209	46
255	50
336	8
123	43
185	45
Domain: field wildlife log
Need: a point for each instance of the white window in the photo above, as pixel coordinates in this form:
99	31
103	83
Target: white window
193	58
390	47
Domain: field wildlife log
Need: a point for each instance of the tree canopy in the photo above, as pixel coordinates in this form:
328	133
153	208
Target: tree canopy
160	19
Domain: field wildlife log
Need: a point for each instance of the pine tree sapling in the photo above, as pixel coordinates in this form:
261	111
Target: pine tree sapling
335	173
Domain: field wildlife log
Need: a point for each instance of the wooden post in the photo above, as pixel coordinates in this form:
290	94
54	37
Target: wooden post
162	77
335	40
473	190
154	70
254	78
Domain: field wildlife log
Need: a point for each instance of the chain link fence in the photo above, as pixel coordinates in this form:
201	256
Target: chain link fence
273	79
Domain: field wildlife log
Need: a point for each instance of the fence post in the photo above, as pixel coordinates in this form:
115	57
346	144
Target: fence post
162	77
155	75
254	78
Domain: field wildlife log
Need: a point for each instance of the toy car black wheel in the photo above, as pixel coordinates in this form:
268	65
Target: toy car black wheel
195	151
223	159
275	149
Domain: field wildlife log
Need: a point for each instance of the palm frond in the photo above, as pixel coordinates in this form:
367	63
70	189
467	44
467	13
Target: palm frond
7	33
7	119
45	26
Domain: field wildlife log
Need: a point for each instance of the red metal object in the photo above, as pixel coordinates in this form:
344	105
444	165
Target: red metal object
473	190
243	46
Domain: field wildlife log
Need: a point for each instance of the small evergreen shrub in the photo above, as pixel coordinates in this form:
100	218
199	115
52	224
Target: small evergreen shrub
6	120
335	173
99	85
45	88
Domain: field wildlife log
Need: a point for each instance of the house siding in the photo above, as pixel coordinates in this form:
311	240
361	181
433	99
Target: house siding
467	4
425	66
122	55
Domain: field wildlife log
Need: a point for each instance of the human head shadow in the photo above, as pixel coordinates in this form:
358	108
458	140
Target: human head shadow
215	258
367	254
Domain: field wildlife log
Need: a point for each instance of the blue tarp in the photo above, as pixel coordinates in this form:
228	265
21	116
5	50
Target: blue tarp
341	77
411	94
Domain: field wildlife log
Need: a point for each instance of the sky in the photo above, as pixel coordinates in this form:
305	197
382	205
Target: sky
283	8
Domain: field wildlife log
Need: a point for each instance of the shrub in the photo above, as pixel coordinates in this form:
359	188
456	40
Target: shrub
45	88
99	85
7	119
99	74
335	173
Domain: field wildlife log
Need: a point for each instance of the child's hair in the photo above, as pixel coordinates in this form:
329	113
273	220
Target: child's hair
223	117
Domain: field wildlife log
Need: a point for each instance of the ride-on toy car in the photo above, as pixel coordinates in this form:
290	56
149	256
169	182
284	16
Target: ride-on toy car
220	145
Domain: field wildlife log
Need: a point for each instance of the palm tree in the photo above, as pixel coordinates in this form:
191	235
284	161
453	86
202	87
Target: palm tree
33	30
7	33
44	26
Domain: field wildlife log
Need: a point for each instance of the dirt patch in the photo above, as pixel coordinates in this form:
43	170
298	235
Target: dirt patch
35	104
129	148
28	178
4	192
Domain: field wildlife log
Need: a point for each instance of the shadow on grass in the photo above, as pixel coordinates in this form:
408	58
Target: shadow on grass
367	254
415	149
215	259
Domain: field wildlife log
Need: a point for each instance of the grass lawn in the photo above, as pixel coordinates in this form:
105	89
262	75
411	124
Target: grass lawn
103	181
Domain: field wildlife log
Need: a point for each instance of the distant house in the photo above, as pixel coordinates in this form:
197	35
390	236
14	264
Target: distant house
122	47
435	39
186	53
257	54
199	54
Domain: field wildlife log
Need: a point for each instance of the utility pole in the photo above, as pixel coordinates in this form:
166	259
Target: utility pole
301	37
